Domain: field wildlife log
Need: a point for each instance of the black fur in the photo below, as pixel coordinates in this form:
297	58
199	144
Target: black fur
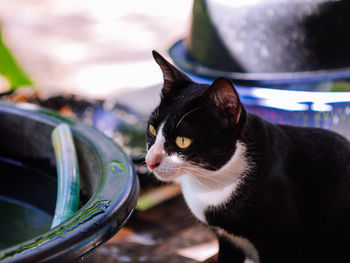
294	204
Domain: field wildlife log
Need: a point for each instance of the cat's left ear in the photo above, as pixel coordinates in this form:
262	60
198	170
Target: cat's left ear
173	78
223	94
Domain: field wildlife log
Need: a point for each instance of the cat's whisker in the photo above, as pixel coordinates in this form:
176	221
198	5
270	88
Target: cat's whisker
186	114
217	182
211	178
195	178
207	176
202	184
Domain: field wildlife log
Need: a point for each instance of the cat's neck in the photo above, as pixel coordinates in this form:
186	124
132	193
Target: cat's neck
203	188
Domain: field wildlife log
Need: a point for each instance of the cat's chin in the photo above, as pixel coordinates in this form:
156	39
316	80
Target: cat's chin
166	176
169	169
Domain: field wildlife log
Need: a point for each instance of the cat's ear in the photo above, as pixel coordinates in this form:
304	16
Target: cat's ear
173	77
225	97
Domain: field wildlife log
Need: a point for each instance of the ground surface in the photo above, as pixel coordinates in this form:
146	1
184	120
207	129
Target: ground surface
163	234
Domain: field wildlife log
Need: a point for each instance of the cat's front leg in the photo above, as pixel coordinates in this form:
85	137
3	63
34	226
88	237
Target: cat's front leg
229	252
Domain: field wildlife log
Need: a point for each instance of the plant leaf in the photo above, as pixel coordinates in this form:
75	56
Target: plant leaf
10	69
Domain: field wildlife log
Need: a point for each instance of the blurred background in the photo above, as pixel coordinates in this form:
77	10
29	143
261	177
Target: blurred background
96	49
92	60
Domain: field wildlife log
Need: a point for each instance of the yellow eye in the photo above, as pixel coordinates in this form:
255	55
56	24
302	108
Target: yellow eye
183	142
152	130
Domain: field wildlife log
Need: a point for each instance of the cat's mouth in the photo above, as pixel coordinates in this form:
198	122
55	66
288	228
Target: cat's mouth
166	174
168	169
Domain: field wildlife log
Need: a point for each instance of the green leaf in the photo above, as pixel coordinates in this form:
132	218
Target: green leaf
10	69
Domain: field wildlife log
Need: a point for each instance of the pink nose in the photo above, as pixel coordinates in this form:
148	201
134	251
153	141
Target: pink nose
153	165
154	161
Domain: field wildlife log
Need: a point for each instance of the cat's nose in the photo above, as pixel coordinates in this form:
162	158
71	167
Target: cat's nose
153	165
153	161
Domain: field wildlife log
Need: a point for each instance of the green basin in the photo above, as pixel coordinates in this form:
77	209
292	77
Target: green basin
109	188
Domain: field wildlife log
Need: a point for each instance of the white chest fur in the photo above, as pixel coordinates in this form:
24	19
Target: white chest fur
203	188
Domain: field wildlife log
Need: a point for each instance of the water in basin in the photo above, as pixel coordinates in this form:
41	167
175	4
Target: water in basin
25	196
20	221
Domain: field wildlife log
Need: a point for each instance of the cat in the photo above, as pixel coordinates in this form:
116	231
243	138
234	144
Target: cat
271	193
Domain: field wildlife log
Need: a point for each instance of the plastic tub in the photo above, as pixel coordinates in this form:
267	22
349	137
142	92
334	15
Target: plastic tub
109	186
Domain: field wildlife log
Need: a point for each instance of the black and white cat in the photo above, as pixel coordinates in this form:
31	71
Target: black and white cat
271	193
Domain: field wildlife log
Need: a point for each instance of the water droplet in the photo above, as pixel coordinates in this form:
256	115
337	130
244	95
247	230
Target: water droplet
117	166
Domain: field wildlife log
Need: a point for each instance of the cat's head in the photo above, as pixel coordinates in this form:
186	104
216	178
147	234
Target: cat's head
195	127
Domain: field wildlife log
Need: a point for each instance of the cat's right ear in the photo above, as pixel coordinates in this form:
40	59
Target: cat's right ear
173	77
225	97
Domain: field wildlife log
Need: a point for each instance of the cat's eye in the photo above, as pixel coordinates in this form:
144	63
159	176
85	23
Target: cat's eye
152	130
183	142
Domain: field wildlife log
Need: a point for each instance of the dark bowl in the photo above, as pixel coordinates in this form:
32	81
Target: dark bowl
109	186
267	42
